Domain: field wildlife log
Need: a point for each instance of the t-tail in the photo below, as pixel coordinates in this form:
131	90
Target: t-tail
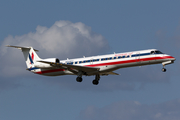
29	54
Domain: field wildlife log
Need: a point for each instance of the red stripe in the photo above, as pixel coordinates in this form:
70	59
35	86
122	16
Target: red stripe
49	71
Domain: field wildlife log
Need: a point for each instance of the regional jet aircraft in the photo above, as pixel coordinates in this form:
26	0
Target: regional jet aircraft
95	65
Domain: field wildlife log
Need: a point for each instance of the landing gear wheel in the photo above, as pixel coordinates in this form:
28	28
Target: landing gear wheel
164	69
79	79
95	82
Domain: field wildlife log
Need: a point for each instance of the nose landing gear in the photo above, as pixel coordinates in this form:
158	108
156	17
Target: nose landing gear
163	69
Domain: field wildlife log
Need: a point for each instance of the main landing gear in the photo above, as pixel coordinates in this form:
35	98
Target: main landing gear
79	79
95	81
79	76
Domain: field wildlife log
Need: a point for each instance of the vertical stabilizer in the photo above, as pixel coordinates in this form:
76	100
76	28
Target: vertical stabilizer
29	54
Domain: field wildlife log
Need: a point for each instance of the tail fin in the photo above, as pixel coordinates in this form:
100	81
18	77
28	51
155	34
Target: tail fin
29	54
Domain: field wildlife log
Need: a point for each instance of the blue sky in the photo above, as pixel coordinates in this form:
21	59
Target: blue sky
91	28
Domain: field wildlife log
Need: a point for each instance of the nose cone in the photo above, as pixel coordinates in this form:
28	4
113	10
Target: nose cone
169	57
173	58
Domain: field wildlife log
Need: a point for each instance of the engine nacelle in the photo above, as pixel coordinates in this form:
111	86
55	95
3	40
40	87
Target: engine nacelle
44	65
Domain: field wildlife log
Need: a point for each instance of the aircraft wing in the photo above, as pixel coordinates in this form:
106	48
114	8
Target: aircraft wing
74	68
113	73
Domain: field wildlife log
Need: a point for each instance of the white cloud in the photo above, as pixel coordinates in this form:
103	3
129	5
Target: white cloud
133	110
62	40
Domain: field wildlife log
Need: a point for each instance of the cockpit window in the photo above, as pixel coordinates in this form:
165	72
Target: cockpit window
152	52
158	52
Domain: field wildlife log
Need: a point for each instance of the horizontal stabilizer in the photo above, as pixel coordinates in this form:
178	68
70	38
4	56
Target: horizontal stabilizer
18	47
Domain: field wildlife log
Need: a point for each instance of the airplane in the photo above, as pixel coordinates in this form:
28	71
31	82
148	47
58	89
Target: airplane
94	65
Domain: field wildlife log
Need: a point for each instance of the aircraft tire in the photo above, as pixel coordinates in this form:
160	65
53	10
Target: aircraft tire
164	69
79	79
95	82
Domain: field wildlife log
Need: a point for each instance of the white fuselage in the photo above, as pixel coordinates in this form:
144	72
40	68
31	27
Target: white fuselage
109	63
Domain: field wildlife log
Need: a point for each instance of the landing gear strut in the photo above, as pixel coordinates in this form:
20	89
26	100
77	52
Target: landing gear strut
164	69
96	81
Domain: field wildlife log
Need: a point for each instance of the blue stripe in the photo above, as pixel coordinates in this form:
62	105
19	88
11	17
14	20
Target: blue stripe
118	57
31	59
34	68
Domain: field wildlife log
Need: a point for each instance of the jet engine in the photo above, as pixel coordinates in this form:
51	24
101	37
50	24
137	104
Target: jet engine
46	65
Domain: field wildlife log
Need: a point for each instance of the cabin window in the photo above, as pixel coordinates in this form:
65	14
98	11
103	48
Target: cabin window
119	57
104	59
95	60
75	62
114	57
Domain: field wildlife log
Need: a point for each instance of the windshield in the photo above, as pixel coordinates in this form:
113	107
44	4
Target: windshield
156	52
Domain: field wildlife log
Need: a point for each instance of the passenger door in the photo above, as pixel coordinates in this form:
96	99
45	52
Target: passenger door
138	57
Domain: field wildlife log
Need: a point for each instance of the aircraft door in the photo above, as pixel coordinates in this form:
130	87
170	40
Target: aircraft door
137	57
